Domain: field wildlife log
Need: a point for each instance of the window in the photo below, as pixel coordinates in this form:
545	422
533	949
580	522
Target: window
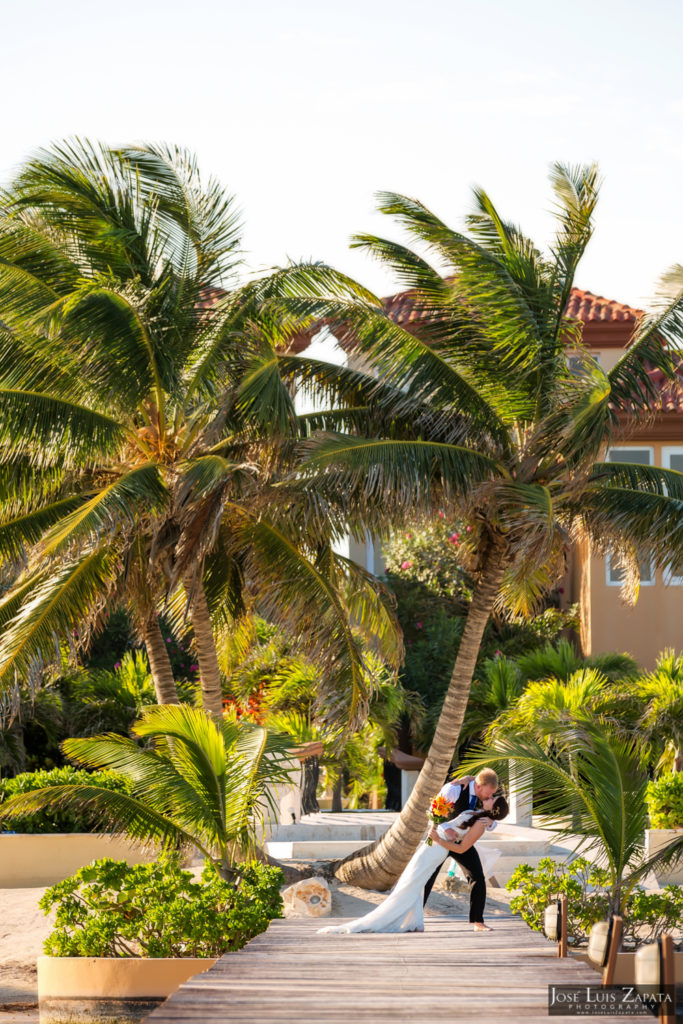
615	575
578	361
645	456
672	458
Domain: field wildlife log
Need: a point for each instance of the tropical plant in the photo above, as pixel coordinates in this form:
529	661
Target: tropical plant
199	783
661	725
561	660
144	425
112	909
647	915
476	412
98	701
598	773
53	819
544	703
665	801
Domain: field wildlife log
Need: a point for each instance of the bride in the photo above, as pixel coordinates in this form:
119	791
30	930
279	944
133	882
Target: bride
401	911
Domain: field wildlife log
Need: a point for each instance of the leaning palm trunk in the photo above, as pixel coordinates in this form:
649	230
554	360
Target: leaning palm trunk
212	692
378	866
159	662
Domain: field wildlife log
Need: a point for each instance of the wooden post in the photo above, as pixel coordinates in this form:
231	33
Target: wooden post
614	946
562	945
668	977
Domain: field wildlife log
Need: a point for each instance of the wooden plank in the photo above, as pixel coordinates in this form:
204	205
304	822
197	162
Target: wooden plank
292	975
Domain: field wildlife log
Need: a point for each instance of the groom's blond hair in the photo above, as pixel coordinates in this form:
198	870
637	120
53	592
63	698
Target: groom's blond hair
487	777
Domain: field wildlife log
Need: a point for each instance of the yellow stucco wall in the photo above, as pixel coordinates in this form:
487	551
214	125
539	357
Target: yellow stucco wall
654	623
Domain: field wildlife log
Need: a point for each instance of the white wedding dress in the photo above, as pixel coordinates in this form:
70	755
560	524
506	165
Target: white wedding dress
401	911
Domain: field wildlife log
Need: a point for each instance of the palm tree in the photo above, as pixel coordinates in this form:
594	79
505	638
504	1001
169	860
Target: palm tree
561	660
586	693
144	426
196	783
600	774
662	722
482	417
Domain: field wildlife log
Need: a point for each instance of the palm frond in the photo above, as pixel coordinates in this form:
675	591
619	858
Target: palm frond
60	604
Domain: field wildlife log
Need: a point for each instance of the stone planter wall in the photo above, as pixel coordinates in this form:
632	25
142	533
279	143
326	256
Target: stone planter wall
103	990
655	840
33	860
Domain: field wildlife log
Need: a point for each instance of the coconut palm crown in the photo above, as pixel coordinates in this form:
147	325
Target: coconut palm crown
486	418
144	425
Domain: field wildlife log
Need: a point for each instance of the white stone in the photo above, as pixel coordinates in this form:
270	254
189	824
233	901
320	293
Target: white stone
308	898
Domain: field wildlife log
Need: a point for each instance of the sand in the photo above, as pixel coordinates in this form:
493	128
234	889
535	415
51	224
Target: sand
23	928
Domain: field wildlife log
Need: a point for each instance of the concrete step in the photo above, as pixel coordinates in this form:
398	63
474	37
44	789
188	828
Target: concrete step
361	825
512	848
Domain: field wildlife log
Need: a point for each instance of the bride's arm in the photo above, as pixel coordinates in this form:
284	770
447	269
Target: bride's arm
474	833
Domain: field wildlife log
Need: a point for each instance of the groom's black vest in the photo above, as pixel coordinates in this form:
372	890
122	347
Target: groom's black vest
463	801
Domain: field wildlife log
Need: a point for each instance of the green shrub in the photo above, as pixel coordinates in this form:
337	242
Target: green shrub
159	910
665	801
549	879
57	820
646	914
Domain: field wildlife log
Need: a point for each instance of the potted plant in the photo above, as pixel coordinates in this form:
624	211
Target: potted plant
199	782
126	937
665	807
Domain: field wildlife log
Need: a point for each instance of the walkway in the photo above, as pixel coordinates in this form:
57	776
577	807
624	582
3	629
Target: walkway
290	975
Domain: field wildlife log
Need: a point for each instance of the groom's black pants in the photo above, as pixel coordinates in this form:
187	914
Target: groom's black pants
471	865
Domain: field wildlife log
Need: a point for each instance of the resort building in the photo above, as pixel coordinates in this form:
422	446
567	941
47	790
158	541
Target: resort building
607	623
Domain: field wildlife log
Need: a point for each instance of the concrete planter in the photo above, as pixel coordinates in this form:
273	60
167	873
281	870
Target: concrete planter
31	860
655	840
108	990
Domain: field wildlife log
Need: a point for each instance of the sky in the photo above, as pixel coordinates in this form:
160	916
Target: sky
306	108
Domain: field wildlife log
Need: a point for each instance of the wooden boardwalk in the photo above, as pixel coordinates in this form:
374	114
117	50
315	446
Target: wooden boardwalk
290	975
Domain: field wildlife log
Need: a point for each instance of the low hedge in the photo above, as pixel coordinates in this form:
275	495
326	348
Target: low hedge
159	910
57	820
647	915
665	801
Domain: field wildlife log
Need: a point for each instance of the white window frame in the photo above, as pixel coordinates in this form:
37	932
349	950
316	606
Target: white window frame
608	561
576	358
670	579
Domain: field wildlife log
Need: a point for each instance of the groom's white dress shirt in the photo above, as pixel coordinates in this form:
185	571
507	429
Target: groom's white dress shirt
451	792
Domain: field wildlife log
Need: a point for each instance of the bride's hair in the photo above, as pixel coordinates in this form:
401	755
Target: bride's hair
499	811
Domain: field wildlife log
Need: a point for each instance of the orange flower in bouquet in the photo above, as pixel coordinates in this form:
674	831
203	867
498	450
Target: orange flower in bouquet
440	810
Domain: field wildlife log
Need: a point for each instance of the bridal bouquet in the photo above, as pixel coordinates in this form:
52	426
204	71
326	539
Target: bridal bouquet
440	810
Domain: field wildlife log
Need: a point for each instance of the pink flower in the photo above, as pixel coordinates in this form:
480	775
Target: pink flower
168	639
407	564
418	625
193	668
454	538
441	515
498	653
409	535
469	529
117	664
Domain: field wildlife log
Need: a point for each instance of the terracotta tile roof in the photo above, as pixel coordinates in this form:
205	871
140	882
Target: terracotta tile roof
588	308
582	305
670	391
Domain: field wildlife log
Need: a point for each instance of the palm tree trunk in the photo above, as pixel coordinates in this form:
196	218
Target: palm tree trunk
378	866
207	657
159	662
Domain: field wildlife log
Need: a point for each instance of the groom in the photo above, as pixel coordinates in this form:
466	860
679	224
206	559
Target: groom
468	794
